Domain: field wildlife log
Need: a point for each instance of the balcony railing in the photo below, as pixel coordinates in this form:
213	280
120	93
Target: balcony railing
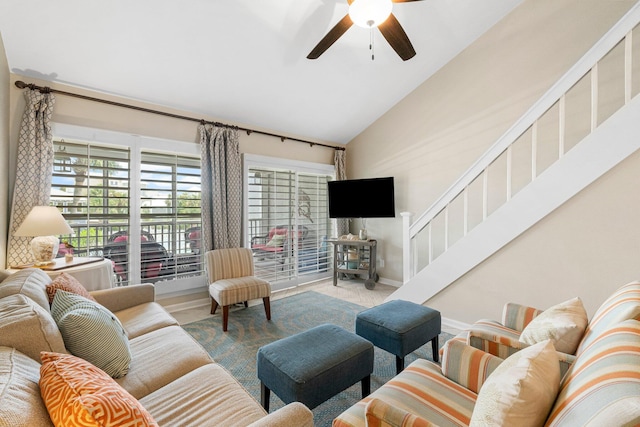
168	250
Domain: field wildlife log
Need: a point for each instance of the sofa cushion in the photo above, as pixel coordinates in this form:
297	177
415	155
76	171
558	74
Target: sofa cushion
28	327
92	332
68	283
30	282
20	401
420	389
563	324
77	393
602	387
160	357
623	304
144	318
521	391
208	395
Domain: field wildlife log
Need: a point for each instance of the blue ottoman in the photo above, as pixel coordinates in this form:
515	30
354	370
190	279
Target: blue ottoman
315	365
400	327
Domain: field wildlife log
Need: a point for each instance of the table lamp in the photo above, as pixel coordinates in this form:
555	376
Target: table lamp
44	224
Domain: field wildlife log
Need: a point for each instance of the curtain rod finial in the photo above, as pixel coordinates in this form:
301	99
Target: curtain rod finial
20	84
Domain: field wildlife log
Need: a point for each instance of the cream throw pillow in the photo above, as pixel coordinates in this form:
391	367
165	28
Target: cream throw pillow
521	391
564	324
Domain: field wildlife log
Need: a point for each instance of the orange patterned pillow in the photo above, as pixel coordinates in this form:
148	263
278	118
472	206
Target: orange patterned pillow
77	393
68	283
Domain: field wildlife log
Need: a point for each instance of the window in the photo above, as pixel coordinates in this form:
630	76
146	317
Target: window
90	185
108	190
287	219
170	208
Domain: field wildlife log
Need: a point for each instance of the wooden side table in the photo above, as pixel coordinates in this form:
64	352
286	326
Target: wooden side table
92	272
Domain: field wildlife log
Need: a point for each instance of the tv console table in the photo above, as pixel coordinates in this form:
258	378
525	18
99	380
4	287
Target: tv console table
355	257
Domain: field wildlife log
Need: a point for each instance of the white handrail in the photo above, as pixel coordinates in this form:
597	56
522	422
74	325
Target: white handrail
570	78
621	30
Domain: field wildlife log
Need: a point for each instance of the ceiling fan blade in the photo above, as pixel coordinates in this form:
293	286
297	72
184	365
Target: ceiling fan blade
403	1
334	34
397	38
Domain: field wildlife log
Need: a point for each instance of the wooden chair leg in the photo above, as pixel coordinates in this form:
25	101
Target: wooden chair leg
214	306
434	349
225	317
267	307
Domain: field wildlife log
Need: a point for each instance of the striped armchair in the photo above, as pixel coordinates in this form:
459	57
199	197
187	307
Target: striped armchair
425	393
600	387
503	339
231	281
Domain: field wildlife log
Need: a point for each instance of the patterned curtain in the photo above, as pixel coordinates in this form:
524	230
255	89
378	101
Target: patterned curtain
340	162
33	169
221	187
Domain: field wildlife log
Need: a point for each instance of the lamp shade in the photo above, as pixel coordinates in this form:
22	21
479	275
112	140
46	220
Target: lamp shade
43	221
370	13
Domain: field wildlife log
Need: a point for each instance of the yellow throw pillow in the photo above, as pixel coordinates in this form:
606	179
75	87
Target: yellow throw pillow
77	393
564	324
521	391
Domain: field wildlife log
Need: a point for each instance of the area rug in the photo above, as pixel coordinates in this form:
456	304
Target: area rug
248	331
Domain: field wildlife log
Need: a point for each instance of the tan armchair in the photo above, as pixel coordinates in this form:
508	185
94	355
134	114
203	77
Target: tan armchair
231	281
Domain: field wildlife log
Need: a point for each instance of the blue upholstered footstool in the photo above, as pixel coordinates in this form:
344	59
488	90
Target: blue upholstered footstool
315	365
400	327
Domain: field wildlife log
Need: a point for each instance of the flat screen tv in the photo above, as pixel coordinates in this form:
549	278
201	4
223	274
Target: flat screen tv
362	198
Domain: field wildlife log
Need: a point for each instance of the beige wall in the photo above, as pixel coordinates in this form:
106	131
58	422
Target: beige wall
587	248
4	151
432	136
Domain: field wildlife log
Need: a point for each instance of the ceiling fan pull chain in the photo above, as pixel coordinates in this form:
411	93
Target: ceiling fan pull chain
371	43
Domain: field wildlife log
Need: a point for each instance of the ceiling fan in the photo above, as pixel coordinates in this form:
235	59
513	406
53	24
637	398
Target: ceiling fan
370	14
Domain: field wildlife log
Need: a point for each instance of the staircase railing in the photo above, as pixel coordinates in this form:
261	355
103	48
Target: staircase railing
600	83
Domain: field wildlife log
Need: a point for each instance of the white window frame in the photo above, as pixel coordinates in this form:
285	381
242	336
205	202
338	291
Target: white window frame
256	161
136	144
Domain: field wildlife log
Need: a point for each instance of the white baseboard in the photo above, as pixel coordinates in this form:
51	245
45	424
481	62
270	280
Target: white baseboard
455	324
187	305
389	282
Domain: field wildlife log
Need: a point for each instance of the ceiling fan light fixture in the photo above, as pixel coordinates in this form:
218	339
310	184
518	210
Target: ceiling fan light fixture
370	13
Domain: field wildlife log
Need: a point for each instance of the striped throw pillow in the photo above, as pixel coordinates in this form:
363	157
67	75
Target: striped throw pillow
92	332
602	387
623	304
76	393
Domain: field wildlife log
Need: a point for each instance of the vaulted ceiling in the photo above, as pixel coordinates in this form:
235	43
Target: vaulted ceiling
241	61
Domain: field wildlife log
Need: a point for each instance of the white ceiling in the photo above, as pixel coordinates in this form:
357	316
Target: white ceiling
240	61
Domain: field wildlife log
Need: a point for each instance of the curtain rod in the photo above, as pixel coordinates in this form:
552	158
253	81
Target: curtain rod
21	85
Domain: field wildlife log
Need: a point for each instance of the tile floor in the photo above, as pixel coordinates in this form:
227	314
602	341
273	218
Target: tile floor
348	290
